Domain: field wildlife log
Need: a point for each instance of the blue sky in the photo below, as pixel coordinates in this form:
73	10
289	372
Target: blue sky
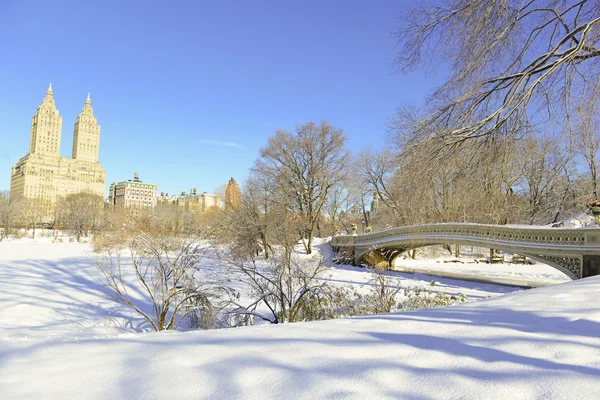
187	92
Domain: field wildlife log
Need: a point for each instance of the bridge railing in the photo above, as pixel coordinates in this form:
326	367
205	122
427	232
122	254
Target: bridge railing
539	235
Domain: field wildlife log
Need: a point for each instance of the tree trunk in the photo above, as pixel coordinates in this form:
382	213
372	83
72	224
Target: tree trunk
594	179
265	245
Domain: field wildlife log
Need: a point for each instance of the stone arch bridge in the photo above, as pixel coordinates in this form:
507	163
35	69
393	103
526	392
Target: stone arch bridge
575	252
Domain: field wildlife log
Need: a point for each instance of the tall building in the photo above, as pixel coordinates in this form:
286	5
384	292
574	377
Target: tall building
233	195
86	137
43	174
133	195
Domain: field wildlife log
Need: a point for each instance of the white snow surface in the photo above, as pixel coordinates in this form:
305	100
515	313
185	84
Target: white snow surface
580	221
537	272
62	336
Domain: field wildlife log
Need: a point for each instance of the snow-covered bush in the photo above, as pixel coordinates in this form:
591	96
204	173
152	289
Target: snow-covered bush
108	242
416	298
158	278
290	289
383	293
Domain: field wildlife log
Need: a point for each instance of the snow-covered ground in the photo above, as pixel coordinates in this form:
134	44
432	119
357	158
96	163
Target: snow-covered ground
53	290
62	336
359	278
539	273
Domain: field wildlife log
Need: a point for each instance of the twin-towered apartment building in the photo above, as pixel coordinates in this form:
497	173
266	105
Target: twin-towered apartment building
43	175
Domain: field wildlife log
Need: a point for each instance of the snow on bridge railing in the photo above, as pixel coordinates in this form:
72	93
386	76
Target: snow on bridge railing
567	237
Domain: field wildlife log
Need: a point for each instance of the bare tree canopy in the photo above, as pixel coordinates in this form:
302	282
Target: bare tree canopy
512	62
11	210
305	165
80	212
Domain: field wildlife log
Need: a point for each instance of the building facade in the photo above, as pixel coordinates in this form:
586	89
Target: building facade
233	195
202	202
192	201
133	195
42	174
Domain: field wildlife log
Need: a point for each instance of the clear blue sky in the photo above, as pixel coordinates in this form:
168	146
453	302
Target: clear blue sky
188	91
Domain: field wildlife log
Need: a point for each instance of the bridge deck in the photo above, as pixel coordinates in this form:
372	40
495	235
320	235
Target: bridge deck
576	252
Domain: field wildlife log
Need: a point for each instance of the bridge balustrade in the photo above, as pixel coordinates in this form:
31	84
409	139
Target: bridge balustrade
567	249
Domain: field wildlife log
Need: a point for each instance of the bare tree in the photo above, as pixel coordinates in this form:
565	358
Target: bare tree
305	165
545	177
377	169
349	200
335	206
11	213
167	274
382	298
587	138
80	212
473	184
33	212
510	60
220	191
247	229
286	287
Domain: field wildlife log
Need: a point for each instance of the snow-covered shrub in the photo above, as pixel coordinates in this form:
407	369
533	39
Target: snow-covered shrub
19	234
290	289
315	305
383	293
158	278
417	298
345	302
103	243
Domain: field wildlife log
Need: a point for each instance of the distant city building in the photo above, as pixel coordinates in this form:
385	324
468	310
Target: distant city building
43	174
133	195
192	201
164	200
233	195
203	202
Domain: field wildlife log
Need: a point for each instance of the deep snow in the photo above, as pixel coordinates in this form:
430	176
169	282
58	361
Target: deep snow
61	336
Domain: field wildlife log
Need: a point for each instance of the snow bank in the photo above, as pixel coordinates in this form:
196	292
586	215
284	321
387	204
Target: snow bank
541	343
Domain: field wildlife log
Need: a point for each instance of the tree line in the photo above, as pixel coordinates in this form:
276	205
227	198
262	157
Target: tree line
511	137
85	214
